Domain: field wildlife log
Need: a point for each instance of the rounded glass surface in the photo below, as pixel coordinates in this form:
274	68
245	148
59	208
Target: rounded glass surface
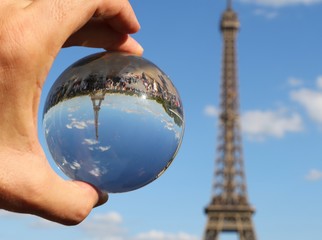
114	120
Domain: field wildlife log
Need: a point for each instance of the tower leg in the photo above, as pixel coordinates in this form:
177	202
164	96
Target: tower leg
247	235
211	235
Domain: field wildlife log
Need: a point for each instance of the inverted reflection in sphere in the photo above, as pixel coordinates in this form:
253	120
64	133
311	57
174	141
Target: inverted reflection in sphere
114	120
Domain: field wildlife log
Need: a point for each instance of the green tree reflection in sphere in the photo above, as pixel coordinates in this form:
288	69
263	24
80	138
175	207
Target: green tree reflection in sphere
114	120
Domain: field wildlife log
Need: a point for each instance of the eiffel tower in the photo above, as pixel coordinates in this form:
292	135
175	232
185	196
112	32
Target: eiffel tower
97	98
229	210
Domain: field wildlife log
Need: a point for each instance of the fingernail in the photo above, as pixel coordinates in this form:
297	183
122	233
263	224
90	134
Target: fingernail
102	198
140	49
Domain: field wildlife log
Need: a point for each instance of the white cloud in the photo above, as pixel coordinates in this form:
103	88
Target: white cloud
73	109
110	226
295	82
96	172
168	124
90	141
103	149
158	235
111	217
106	226
260	124
77	124
312	102
90	122
75	165
211	111
266	13
314	175
281	3
319	82
102	226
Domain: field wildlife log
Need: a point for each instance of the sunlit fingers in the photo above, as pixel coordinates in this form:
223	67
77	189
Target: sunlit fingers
97	34
119	15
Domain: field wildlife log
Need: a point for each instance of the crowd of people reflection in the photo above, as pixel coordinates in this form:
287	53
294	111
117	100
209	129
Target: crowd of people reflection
141	85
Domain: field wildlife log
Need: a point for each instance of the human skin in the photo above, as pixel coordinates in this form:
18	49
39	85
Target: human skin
32	32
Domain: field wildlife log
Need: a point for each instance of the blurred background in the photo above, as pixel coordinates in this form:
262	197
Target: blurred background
280	83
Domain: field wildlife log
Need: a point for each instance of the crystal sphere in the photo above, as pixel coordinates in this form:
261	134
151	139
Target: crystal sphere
114	120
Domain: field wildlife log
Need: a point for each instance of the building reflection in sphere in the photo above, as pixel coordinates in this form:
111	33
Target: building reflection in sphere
114	120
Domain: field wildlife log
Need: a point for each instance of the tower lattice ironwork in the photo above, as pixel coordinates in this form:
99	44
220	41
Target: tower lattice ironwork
229	210
97	99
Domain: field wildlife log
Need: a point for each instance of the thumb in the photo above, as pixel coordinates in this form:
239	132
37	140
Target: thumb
69	202
102	196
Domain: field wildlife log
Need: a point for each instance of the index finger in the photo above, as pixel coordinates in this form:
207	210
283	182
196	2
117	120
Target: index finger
123	19
64	17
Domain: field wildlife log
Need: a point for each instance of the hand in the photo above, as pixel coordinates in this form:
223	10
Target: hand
32	32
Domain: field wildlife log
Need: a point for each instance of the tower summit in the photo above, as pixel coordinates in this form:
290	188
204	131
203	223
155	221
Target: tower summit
229	210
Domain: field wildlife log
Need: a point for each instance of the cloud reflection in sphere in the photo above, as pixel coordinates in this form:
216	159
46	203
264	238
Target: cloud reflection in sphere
114	120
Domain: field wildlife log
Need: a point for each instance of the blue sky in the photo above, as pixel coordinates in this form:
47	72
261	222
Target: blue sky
280	76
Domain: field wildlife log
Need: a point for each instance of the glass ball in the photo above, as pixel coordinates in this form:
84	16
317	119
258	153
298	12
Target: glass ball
114	120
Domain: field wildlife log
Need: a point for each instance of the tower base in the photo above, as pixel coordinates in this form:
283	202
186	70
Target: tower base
229	220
